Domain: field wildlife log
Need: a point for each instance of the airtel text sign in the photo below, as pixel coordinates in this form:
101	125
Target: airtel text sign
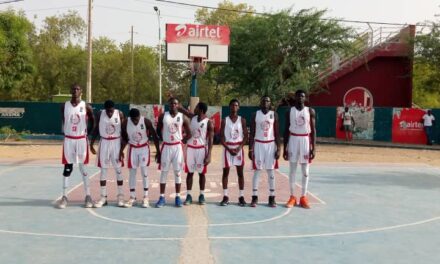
190	33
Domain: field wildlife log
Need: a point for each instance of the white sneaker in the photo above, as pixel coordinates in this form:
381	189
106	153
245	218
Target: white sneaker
62	203
121	200
102	202
145	203
130	202
88	203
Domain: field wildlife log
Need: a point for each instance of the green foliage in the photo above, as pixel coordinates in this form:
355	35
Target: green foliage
7	132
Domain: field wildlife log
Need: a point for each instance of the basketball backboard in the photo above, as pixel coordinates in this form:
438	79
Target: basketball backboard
184	41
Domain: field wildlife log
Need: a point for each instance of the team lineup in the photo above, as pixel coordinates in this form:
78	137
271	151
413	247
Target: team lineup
177	128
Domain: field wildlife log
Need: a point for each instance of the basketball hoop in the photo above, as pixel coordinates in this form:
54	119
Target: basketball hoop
197	65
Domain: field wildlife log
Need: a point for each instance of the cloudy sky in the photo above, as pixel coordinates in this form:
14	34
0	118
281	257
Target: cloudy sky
113	18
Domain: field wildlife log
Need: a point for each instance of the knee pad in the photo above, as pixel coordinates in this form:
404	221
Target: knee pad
68	168
178	179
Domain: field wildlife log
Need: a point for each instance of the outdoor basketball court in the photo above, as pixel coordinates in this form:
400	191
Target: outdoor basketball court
362	213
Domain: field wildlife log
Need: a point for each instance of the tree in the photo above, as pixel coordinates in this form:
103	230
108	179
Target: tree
15	53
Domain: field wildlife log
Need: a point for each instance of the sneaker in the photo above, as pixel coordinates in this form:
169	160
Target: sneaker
178	201
272	202
188	199
202	199
130	203
120	198
304	202
161	202
88	203
292	202
101	202
225	201
145	202
241	201
254	201
62	203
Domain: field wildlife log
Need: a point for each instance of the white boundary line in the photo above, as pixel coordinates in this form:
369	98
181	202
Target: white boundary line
94	213
363	231
310	193
75	187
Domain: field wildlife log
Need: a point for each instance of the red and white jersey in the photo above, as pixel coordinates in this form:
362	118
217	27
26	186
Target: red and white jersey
137	134
199	132
233	131
300	121
172	128
110	127
75	119
264	129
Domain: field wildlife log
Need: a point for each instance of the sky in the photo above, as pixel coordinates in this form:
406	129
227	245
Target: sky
114	18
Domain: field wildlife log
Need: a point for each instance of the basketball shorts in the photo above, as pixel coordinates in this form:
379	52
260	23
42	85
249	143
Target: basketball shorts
195	159
264	156
299	149
75	151
108	153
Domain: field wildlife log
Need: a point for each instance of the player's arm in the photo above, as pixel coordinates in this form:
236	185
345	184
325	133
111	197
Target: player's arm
90	116
312	133
222	136
186	112
155	138
245	134
121	116
210	142
124	139
95	134
62	118
251	137
277	135
160	126
286	135
187	130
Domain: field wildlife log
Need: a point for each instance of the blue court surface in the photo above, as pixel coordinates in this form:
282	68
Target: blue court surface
361	213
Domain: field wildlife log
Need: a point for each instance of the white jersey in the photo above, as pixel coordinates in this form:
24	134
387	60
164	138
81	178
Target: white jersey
172	128
233	131
199	132
110	128
264	126
137	134
300	121
346	117
75	119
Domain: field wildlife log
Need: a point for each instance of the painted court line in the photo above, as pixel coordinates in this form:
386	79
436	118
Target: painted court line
75	187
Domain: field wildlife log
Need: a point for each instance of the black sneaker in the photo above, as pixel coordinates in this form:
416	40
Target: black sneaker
241	201
188	199
272	202
202	199
225	201
254	201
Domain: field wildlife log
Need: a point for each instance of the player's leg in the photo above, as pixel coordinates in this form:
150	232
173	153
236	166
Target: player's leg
292	174
240	174
132	185
255	183
178	161
305	183
86	182
202	183
271	181
68	168
120	185
103	185
164	167
178	184
225	175
189	183
145	184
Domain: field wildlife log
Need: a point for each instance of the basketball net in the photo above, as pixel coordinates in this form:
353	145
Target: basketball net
197	65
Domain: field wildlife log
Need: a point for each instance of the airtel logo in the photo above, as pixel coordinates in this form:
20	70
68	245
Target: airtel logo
181	30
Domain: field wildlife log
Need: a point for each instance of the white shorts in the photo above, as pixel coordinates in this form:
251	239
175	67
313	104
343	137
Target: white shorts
138	156
195	159
108	153
299	149
171	154
264	156
229	160
75	151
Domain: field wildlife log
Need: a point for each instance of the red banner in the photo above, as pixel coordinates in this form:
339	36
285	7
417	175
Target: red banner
190	33
408	126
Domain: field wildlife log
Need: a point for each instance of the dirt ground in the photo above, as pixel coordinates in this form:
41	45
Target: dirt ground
325	153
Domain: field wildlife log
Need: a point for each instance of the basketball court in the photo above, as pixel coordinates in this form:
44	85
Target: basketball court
361	213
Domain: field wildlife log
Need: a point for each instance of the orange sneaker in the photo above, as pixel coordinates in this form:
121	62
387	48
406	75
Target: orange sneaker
292	202
304	202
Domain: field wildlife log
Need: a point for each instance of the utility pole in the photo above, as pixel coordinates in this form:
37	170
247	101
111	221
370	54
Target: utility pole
89	50
160	56
132	65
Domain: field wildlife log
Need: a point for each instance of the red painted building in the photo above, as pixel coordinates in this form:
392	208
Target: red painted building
381	76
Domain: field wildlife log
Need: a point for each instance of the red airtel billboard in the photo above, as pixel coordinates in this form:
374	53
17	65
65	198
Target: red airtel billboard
408	126
191	33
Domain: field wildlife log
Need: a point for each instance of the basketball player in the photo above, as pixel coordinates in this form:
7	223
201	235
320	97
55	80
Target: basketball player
264	148
109	129
135	132
234	135
170	127
74	116
299	145
199	147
